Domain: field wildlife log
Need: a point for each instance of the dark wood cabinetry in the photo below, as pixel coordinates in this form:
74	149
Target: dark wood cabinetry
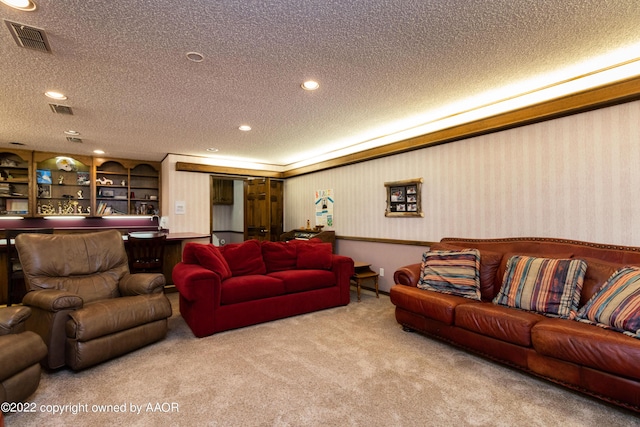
221	191
127	187
15	175
62	184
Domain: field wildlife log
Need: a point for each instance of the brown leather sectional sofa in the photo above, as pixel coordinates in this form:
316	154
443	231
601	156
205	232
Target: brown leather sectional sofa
596	361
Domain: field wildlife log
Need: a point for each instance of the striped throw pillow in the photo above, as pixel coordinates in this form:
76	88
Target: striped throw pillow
617	304
451	272
544	285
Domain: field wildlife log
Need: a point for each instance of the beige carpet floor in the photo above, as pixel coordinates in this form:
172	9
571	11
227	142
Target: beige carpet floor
347	366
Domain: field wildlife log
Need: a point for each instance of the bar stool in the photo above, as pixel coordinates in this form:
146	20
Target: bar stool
146	254
16	288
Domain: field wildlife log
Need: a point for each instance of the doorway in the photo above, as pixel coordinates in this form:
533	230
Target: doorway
264	209
244	208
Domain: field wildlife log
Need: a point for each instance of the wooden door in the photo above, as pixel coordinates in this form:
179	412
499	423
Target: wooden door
263	209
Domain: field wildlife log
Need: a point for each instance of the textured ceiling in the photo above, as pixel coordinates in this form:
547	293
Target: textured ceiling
135	95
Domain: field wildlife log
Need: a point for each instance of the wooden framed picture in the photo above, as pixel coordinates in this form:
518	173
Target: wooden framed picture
404	198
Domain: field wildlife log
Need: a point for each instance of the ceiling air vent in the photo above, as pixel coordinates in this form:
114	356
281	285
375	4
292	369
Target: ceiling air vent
61	109
29	37
74	139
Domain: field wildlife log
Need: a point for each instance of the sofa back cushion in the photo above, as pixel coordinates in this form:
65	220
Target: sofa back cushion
545	285
89	264
598	272
312	255
244	258
208	256
279	256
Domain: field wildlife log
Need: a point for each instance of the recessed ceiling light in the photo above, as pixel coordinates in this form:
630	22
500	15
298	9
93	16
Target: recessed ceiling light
71	132
310	85
212	150
98	151
245	128
195	56
53	94
26	5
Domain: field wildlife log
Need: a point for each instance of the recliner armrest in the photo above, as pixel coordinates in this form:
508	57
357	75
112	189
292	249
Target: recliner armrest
52	300
12	319
141	284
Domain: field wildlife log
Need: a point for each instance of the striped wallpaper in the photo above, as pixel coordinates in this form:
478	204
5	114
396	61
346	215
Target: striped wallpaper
575	177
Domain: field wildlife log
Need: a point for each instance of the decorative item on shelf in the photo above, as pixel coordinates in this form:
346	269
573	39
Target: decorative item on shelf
123	183
66	164
44	191
318	228
83	178
308	225
103	180
61	180
8	163
80	194
43	176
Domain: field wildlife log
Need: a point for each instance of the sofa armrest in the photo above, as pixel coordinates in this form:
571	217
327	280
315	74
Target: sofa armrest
141	284
12	319
196	282
52	300
343	269
407	275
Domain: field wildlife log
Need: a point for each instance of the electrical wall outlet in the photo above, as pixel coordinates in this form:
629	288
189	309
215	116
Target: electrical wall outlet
381	272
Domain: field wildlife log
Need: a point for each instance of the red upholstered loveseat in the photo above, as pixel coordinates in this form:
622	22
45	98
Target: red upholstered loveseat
242	284
595	360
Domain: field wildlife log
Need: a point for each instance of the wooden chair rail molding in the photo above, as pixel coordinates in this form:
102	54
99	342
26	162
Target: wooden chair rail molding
604	96
389	241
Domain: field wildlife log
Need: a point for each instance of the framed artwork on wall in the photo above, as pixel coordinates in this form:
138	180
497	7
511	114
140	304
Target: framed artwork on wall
404	198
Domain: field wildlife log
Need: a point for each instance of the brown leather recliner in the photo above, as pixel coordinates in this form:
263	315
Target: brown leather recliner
86	305
20	355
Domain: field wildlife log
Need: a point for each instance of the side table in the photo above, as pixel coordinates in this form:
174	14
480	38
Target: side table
362	273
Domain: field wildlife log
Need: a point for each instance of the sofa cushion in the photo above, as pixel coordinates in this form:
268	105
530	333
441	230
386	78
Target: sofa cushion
545	285
250	287
315	256
503	323
489	264
451	272
588	345
244	258
617	304
279	256
208	256
305	280
433	305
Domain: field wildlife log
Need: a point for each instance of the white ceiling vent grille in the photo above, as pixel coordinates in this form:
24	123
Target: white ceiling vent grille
61	109
29	37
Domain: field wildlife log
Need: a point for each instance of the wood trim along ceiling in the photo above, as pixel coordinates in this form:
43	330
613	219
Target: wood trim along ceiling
222	170
604	96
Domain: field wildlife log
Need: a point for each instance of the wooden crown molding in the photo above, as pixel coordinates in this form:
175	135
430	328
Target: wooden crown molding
603	96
